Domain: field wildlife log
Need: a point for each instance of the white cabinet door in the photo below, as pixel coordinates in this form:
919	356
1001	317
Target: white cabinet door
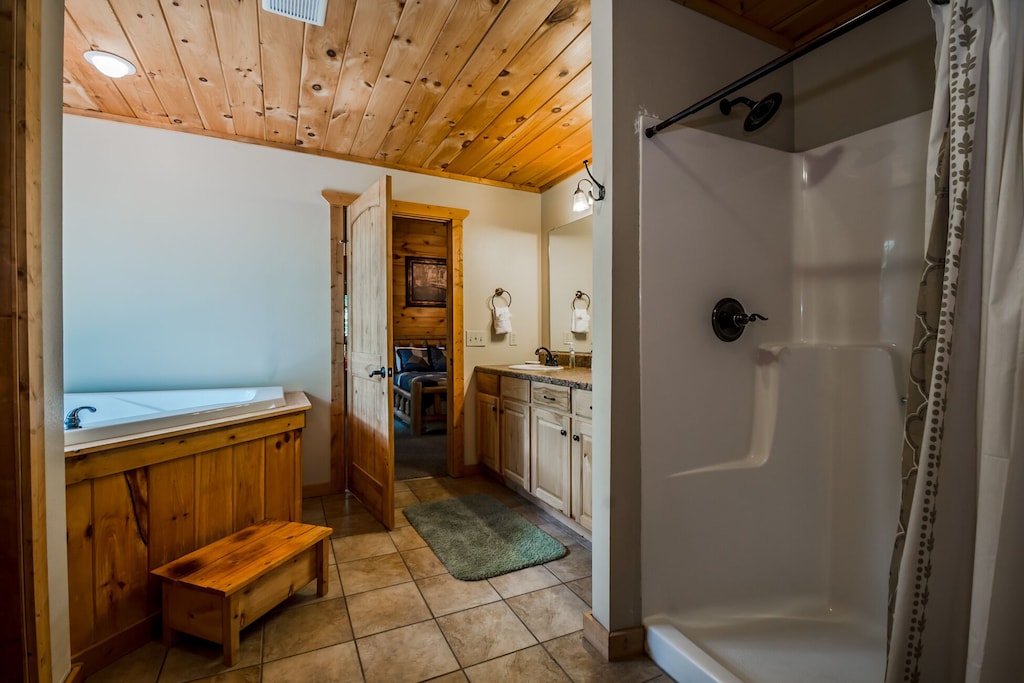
582	472
487	431
515	442
550	463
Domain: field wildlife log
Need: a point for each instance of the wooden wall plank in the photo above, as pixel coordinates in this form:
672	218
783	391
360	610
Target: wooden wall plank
143	22
541	51
191	28
515	166
281	59
76	95
323	52
576	146
171	510
415	36
502	42
214	492
101	89
465	29
120	567
374	31
280	497
81	597
237	30
100	27
416	237
250	470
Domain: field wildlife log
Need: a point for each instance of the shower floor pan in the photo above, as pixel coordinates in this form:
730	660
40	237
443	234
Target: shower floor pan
760	647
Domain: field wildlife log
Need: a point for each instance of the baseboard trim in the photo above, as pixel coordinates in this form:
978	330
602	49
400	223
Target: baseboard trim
76	675
314	490
473	470
97	656
621	644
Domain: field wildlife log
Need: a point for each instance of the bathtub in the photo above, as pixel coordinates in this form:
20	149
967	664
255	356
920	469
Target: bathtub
772	561
120	414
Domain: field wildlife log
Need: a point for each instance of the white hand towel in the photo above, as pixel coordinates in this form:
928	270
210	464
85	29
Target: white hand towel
502	320
580	320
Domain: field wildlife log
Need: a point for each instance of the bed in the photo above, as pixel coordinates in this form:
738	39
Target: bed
421	383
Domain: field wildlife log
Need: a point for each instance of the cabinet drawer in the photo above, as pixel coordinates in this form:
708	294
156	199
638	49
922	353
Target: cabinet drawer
550	395
583	403
515	388
486	383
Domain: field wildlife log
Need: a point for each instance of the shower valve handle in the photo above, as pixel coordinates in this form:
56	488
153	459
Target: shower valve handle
745	318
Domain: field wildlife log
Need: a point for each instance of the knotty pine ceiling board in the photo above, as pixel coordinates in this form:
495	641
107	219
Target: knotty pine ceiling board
496	91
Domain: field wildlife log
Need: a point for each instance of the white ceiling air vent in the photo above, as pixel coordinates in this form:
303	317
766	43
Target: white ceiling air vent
309	11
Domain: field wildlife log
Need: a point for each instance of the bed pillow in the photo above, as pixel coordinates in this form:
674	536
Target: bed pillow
438	358
412	359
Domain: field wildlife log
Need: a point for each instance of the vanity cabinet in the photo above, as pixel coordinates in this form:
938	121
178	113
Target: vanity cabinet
582	465
488	448
550	451
514	430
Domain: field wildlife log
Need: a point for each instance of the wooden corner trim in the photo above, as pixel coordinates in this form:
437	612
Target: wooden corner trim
621	644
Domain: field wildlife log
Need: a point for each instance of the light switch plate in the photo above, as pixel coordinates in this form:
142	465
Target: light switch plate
567	338
475	338
512	339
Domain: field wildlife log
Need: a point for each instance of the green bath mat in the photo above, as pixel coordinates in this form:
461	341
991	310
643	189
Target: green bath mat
476	537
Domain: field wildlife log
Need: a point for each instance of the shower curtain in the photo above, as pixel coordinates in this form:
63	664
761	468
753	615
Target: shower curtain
957	607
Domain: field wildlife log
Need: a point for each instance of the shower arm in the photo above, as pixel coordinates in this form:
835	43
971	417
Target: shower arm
777	63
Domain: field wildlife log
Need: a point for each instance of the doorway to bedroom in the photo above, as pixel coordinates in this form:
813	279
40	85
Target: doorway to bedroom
419	274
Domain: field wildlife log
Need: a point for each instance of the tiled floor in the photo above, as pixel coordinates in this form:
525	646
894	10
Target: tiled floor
394	614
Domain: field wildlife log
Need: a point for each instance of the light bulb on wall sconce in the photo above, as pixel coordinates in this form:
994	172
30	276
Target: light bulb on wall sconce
109	64
583	199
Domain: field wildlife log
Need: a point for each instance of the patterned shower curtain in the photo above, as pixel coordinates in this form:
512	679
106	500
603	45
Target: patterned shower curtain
957	576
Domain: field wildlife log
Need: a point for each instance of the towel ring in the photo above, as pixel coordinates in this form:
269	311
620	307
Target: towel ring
579	295
499	292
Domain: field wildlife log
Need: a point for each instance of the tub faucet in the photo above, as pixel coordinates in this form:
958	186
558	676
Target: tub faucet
72	421
549	358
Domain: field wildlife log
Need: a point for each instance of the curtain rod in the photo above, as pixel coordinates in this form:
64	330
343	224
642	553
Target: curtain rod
778	63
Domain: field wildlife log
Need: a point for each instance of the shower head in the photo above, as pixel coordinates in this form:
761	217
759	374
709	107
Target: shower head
760	112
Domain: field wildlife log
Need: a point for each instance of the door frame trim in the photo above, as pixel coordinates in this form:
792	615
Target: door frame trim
453	217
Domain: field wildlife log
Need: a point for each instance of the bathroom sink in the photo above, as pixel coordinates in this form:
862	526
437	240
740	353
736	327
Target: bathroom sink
530	366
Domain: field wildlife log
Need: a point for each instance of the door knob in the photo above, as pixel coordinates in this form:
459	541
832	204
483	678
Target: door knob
377	372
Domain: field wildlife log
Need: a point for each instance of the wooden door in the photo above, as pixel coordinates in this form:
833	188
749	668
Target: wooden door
515	442
550	467
371	436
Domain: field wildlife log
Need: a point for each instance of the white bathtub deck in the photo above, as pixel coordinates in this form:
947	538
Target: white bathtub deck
768	649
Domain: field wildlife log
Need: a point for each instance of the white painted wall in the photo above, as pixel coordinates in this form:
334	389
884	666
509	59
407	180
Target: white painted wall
196	262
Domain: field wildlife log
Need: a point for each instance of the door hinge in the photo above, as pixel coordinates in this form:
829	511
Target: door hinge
344	247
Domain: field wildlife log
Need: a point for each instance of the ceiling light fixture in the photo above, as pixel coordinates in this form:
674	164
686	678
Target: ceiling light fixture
109	64
583	199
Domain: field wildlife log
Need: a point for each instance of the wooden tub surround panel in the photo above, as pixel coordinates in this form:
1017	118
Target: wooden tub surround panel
134	505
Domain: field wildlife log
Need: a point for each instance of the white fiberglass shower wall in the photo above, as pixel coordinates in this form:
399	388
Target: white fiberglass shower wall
770	465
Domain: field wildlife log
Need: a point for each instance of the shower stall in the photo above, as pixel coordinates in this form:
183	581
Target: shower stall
771	463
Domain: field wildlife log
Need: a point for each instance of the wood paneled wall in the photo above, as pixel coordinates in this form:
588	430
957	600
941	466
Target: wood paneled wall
416	237
125	519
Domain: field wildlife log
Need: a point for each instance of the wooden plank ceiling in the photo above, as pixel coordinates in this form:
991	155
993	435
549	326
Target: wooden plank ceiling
496	91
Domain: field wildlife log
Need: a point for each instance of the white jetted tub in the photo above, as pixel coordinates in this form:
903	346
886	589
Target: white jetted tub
135	412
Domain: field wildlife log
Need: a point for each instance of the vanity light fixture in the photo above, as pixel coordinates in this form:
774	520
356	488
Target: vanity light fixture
582	199
109	64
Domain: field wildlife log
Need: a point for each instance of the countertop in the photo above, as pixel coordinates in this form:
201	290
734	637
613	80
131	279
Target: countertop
568	377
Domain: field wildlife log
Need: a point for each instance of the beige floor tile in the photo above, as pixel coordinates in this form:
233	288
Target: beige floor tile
400	519
583	663
422	482
194	658
401	486
534	515
405	498
482	633
250	675
523	581
310	627
350	548
339	505
405	655
307	594
446	594
316	517
559	533
575	565
428	494
142	665
353	524
551	612
582	588
453	677
334	664
533	664
422	562
386	608
372	573
407	538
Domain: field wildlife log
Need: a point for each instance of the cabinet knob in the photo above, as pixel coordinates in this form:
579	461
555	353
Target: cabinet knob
575	437
493	409
564	432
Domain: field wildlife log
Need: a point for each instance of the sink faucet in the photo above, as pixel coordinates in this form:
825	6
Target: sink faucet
72	421
549	358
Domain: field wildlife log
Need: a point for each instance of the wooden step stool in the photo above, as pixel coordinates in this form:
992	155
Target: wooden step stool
219	589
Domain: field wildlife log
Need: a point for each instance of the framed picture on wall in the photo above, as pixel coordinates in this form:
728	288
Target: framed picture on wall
426	282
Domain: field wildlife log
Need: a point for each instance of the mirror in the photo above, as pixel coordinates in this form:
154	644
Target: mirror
570	269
